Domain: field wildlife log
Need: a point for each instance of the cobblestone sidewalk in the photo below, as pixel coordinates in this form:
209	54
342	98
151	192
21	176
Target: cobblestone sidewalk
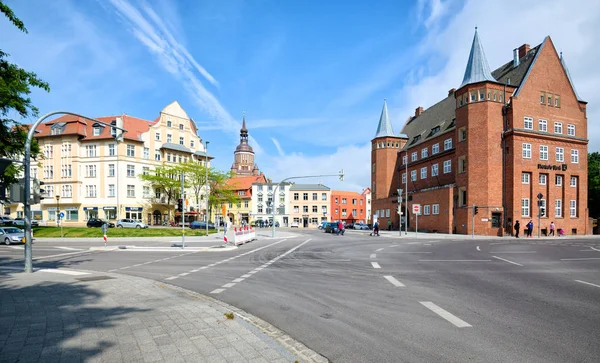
49	317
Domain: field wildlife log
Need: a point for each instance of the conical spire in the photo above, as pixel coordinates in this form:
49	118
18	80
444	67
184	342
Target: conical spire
385	126
244	129
478	69
564	64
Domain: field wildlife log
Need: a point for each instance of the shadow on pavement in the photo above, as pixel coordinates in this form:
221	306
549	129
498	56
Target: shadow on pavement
54	321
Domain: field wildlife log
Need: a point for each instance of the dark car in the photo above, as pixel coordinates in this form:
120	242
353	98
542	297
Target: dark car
201	225
95	222
331	227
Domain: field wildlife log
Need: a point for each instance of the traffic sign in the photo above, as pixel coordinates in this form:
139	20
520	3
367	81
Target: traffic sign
416	209
61	215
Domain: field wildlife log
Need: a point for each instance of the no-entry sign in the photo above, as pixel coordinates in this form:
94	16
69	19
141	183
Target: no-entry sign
416	208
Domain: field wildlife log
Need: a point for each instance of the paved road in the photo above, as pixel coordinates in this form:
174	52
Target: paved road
356	298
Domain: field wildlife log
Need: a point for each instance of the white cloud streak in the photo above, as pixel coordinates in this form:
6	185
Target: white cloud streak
278	146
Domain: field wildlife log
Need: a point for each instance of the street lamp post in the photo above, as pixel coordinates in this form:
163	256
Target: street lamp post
206	180
340	175
27	192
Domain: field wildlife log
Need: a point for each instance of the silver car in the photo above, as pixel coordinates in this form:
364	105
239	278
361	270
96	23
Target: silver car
130	223
11	235
361	226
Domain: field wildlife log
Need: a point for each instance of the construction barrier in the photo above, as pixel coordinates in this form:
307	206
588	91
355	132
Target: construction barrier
243	235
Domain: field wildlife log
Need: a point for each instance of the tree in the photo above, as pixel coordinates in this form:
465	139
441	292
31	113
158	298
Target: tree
220	191
195	177
594	184
165	179
15	87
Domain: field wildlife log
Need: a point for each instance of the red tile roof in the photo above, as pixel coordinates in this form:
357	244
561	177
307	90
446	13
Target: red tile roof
245	183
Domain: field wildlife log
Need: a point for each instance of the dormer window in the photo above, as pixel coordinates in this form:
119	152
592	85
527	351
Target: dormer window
435	130
96	131
58	128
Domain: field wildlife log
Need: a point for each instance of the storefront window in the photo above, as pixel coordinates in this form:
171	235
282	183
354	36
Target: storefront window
72	215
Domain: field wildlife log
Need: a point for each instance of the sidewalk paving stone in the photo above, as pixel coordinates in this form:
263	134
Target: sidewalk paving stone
58	318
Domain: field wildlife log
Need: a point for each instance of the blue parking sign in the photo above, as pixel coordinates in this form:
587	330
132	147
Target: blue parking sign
61	215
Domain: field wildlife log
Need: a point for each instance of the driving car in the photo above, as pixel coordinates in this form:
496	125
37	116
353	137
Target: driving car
331	227
131	223
11	235
6	221
21	222
96	222
201	225
361	226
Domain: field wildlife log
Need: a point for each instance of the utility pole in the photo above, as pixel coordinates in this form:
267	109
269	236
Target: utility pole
473	222
183	210
206	181
400	211
539	196
406	195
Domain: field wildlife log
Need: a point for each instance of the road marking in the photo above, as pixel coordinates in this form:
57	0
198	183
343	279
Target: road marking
595	249
64	272
478	249
168	278
412	243
394	246
218	291
501	243
446	315
505	260
375	265
580	259
68	248
415	252
379	249
238	280
587	283
373	255
246	276
184	274
139	264
59	255
496	252
394	281
455	260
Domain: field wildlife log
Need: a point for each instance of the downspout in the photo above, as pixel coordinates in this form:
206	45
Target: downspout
504	129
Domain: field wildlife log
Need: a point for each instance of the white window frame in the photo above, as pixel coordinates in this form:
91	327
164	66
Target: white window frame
413	175
414	156
424	172
525	207
181	140
111	190
560	154
403	178
435	209
130	191
447	144
157	136
543	152
574	156
558	128
146	152
543	179
447	166
96	131
573	182
558	180
130	171
526	150
131	150
424	153
435	170
571	130
525	178
572	208
426	210
435	148
543	125
558	208
528	123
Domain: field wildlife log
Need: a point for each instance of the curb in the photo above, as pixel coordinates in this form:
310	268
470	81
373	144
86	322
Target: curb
300	350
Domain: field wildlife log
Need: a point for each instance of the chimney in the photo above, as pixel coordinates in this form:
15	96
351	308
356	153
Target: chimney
523	50
418	111
451	92
516	58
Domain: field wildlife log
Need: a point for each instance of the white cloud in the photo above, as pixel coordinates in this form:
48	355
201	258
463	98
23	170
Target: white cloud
278	146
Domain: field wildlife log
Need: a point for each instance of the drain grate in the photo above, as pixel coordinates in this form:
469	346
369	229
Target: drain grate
95	278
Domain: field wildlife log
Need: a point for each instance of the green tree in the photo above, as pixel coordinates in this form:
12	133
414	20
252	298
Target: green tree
165	179
594	184
220	191
15	87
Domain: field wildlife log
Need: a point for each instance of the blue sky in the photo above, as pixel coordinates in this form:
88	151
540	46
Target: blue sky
310	75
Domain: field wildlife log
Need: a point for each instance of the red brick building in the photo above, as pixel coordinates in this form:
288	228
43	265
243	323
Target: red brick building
349	207
500	142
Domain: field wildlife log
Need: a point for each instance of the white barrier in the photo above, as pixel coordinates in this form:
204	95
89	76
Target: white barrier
243	235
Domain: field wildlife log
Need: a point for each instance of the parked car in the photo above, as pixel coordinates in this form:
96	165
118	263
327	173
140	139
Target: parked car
322	225
12	235
201	225
348	225
95	222
6	221
294	225
331	227
361	226
21	222
130	223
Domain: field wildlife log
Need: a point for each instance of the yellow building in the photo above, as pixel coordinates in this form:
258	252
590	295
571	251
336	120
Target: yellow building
309	204
87	174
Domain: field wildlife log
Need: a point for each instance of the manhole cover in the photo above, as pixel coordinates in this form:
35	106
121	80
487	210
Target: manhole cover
95	278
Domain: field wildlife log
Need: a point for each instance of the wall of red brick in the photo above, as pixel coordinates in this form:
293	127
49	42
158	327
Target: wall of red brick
441	222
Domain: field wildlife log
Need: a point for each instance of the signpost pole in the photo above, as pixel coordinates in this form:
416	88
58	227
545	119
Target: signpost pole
183	211
540	196
473	221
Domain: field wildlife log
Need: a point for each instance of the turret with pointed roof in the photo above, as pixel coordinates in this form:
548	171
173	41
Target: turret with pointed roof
478	69
243	163
384	129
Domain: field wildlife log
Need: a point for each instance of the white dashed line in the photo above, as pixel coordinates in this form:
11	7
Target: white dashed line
375	265
218	291
171	278
246	276
65	272
505	260
238	280
580	259
446	315
587	283
394	281
478	249
373	255
496	252
455	260
139	264
379	249
413	243
184	274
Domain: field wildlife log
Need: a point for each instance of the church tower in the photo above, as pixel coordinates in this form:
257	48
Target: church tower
243	157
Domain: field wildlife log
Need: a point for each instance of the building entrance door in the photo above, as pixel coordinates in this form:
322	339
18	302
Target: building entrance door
285	221
305	222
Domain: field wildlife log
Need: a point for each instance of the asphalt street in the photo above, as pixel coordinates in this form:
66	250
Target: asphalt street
356	298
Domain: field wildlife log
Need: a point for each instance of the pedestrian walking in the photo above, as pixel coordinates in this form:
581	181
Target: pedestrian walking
552	227
517	227
340	228
389	225
226	226
529	228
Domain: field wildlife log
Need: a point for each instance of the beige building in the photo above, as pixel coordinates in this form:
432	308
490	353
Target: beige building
87	174
309	205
